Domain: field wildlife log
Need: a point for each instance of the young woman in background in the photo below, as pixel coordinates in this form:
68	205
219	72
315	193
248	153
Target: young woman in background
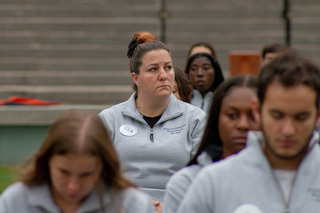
229	121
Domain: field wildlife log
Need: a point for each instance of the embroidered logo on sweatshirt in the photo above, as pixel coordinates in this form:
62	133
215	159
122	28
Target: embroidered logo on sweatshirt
315	193
128	130
247	208
175	130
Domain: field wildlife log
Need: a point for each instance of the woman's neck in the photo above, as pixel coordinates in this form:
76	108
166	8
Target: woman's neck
69	209
151	108
203	94
65	206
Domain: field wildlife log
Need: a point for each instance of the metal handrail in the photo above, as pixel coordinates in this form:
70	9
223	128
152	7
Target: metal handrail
163	19
287	18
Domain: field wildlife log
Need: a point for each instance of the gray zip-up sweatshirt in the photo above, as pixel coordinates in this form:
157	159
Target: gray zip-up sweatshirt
245	183
202	102
180	182
20	198
150	156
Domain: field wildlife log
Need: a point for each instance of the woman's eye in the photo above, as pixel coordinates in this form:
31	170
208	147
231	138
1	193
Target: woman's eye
64	172
85	175
152	69
233	116
169	68
193	69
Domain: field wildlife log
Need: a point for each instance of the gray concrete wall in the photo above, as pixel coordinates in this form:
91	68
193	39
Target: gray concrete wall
22	128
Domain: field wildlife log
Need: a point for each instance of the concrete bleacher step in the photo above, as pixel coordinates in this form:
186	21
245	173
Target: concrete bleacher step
241	26
23	128
40	115
71	35
71	10
61	64
93	35
71	94
79	35
65	78
70	87
228	25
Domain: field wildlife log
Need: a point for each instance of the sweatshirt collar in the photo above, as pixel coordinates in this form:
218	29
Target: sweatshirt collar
40	195
196	93
254	136
172	110
256	140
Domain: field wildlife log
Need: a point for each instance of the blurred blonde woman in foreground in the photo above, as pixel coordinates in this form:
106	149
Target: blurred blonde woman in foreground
76	169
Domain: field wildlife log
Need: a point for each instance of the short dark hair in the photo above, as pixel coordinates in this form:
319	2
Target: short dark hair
289	69
211	133
273	48
218	75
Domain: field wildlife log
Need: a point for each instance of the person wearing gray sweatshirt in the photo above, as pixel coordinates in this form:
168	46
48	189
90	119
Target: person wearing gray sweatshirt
279	169
76	169
206	75
154	133
229	121
38	199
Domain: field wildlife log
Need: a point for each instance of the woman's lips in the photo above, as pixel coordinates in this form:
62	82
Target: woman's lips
200	83
163	86
240	140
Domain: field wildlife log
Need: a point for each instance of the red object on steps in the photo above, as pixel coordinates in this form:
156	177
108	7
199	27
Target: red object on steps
19	100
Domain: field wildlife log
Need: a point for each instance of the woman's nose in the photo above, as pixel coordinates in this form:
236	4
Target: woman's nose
163	75
73	184
244	123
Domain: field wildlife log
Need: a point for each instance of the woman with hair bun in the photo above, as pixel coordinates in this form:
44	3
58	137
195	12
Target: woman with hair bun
154	133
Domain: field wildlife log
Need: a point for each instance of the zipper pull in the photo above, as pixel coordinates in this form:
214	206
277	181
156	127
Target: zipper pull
287	210
151	135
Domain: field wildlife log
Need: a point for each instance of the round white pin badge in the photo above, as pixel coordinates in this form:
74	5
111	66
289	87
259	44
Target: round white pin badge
128	130
248	208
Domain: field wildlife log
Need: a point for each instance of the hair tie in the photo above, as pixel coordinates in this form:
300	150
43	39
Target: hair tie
132	46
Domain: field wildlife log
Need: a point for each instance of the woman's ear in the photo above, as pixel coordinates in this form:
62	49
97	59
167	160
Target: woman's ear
134	77
255	106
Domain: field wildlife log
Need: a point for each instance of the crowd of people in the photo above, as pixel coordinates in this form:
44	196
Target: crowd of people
187	140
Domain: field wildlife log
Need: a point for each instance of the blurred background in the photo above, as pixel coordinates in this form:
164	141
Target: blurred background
74	51
64	44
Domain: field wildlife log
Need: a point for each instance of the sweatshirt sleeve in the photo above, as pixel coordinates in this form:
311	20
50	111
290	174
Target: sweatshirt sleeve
175	191
200	196
3	207
138	201
177	187
198	126
107	117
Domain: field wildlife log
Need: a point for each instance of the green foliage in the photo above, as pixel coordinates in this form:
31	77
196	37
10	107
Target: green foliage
8	175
